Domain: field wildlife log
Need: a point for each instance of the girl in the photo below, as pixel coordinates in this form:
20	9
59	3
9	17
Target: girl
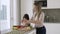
25	19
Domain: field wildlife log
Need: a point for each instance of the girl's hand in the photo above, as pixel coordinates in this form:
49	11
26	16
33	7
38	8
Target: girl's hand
21	20
24	21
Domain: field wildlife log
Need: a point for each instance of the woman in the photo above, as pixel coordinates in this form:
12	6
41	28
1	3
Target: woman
38	19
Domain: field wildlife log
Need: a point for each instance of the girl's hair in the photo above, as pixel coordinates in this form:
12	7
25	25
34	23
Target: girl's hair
38	4
26	16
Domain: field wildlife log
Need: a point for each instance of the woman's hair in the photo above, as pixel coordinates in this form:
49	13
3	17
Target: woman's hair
26	16
38	5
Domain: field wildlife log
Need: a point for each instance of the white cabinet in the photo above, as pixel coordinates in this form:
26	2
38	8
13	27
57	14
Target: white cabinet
32	32
53	3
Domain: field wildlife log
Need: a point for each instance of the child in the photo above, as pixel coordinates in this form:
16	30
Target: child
25	19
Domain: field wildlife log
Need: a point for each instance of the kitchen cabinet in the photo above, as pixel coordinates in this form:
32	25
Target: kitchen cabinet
32	32
53	3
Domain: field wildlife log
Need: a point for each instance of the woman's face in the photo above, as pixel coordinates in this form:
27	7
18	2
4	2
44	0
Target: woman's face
35	8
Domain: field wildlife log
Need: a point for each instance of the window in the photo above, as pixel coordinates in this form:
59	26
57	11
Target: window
3	12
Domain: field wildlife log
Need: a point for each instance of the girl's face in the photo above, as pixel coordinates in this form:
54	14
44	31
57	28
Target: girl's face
24	20
35	8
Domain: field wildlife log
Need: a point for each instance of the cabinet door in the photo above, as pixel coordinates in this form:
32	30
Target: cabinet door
53	3
32	32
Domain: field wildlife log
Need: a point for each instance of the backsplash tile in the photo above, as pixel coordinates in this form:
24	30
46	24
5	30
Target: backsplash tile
52	15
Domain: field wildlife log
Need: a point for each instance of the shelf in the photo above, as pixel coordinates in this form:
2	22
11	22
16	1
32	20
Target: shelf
49	8
44	8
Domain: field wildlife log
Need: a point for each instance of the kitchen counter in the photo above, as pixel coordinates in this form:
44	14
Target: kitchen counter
22	32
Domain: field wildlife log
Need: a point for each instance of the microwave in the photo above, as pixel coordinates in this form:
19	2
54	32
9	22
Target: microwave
43	3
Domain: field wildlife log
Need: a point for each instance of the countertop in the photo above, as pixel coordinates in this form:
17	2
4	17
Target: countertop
20	32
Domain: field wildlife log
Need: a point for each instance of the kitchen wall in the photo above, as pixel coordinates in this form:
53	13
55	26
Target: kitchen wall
26	7
15	12
52	28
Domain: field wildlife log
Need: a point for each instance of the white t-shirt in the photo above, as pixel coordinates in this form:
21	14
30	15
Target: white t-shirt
41	18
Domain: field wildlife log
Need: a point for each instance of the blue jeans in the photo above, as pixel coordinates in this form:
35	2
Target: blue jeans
41	30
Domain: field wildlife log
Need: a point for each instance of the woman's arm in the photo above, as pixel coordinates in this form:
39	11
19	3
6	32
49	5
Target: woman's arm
35	21
40	20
